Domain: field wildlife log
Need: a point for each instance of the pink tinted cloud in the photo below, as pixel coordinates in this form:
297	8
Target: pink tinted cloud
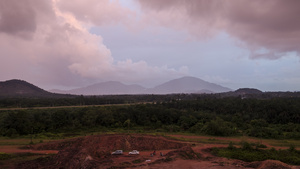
259	24
43	43
96	12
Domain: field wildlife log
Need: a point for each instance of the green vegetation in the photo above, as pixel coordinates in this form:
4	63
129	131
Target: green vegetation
248	153
5	156
276	118
73	100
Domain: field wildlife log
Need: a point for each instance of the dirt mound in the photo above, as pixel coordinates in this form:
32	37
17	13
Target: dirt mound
268	164
273	164
92	151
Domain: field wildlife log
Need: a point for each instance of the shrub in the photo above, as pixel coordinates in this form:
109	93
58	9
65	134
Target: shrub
246	145
231	146
292	148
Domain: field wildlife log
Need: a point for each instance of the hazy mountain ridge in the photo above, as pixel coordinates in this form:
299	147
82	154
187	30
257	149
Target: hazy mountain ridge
181	85
187	85
105	88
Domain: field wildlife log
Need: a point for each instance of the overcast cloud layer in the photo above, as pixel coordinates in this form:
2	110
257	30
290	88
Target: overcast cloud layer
271	25
51	43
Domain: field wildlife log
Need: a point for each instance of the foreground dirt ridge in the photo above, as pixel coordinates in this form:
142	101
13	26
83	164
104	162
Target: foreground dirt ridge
95	152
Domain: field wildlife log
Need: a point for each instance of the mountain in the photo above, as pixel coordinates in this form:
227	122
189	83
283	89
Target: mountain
105	88
20	88
187	85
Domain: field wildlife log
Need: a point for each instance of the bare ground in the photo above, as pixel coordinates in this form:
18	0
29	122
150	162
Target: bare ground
95	152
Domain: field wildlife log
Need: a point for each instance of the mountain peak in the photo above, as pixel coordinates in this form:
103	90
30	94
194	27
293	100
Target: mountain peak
15	81
188	84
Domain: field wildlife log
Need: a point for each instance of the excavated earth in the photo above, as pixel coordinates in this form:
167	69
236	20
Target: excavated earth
95	152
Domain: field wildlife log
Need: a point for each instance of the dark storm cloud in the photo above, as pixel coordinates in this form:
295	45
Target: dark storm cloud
20	17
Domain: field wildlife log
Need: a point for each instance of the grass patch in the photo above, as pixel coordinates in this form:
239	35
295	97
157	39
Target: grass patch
249	154
283	143
205	140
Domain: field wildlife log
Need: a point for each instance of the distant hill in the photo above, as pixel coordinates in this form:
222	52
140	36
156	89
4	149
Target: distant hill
20	88
187	85
243	91
105	88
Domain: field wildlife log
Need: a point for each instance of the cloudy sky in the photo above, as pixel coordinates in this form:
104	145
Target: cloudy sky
235	43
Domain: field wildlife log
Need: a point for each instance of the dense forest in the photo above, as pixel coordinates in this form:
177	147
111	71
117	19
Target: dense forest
74	100
53	100
231	116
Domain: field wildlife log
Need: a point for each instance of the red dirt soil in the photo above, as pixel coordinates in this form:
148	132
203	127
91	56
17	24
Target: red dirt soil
95	152
16	149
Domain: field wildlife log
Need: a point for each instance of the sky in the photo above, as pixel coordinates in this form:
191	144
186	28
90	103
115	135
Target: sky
63	44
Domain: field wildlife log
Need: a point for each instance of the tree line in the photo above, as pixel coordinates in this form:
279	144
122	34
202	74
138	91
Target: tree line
270	118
